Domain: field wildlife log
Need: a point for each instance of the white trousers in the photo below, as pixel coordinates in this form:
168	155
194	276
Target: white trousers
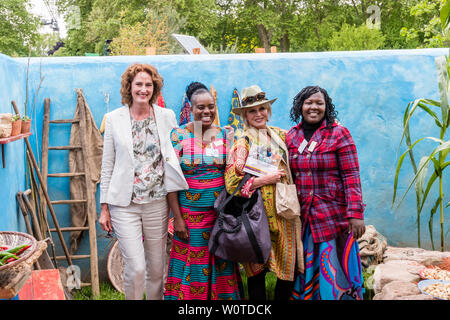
144	261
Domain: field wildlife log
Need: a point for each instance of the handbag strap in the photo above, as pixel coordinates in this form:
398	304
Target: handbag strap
221	215
252	238
229	197
290	177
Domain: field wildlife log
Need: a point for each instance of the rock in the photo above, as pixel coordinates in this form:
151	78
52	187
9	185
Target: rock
416	297
397	289
395	270
422	256
397	277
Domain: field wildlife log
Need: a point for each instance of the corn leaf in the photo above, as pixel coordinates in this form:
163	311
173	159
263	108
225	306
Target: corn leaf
441	64
430	222
431	181
420	179
421	103
444	14
400	163
441	147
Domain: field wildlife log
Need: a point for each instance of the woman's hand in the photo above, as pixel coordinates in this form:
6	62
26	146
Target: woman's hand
230	132
105	218
179	225
271	178
275	177
180	229
357	227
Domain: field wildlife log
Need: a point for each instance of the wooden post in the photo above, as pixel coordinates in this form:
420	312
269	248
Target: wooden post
260	50
25	216
44	160
273	49
196	50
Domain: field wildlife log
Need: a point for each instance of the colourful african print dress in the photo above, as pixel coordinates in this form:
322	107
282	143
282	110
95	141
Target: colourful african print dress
194	274
332	270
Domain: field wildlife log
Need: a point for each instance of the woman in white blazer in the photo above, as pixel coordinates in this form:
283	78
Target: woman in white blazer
139	169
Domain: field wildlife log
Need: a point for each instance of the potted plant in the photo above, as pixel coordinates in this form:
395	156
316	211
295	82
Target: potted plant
16	125
26	124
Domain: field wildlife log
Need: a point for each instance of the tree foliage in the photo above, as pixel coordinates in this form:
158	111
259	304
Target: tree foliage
356	38
103	20
18	28
243	25
427	32
134	39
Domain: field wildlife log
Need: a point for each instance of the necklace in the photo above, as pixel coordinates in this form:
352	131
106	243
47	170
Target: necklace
199	141
141	113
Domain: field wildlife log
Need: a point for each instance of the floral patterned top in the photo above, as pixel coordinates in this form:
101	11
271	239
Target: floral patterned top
148	165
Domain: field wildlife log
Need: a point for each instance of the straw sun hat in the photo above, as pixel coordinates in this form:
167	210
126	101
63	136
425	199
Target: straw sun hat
251	97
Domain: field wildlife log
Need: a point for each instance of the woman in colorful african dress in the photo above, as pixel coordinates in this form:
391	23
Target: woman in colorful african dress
325	166
259	139
201	147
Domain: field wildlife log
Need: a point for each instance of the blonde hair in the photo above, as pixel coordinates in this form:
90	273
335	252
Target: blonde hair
268	106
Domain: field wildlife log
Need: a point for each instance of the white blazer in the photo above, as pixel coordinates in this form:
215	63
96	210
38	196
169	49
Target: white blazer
117	177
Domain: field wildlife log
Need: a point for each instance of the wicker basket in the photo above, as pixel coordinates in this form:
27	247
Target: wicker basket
114	266
14	239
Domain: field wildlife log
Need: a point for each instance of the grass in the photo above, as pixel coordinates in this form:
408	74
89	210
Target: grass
108	292
368	282
271	280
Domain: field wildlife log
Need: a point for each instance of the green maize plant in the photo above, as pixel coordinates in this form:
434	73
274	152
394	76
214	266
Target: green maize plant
437	156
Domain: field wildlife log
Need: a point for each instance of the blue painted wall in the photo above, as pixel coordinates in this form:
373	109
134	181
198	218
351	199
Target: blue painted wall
12	177
369	88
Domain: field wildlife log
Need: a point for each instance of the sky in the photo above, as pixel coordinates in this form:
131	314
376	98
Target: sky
40	9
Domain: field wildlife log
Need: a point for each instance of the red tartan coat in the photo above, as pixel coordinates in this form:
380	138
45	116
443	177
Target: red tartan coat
327	179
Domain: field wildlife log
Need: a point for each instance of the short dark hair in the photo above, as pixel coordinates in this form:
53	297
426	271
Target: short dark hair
196	88
305	93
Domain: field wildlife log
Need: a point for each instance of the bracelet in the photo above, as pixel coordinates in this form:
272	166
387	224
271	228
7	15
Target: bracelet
245	191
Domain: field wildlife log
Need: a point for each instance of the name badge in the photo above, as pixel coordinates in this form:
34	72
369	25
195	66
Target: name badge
211	152
302	146
312	146
218	143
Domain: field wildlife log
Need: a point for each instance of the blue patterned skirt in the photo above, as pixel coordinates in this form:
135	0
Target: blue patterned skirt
332	270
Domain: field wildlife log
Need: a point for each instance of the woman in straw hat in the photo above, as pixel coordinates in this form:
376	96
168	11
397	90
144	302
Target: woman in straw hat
267	143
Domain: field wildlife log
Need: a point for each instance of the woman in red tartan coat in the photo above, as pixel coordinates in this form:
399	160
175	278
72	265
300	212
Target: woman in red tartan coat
325	167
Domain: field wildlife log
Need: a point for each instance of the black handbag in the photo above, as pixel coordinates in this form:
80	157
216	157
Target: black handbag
241	231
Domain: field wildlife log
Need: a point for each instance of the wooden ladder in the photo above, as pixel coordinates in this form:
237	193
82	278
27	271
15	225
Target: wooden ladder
88	199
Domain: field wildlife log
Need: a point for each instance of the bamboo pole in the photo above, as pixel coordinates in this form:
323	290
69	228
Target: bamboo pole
44	154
